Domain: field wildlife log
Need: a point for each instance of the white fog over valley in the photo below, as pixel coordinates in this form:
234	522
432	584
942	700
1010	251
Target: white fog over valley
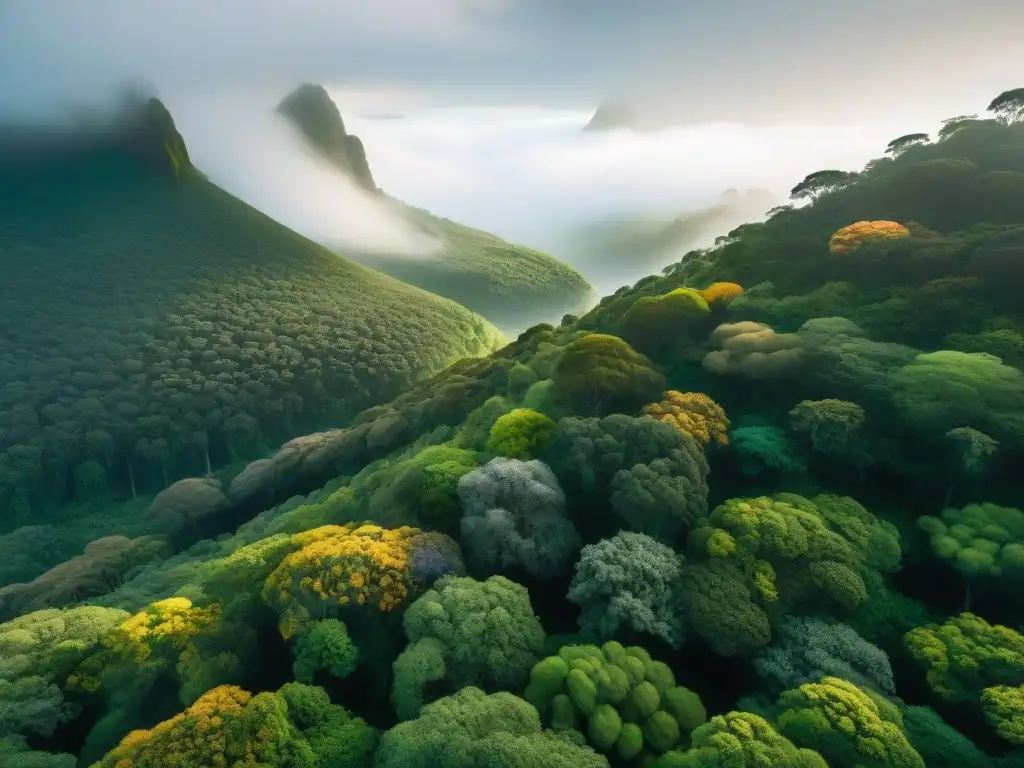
527	174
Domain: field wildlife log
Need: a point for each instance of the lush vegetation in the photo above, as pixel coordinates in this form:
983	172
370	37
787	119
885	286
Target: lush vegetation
713	522
155	327
511	285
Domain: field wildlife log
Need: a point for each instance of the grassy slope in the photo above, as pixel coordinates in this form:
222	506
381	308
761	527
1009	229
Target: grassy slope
123	286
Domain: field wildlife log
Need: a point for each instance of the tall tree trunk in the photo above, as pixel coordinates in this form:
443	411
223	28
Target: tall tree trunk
206	453
967	600
131	477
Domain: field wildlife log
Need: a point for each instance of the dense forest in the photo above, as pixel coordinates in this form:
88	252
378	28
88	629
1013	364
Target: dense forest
154	327
511	285
759	511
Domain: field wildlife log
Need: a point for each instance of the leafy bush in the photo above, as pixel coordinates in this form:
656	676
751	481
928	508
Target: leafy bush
629	579
465	632
624	702
471	729
514	516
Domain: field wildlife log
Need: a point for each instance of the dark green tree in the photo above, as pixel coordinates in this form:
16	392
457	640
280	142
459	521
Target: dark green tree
1008	106
901	144
821	183
600	372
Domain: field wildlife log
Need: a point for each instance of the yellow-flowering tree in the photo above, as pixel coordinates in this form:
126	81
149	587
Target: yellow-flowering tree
694	414
338	566
852	236
156	645
146	644
227	726
167	624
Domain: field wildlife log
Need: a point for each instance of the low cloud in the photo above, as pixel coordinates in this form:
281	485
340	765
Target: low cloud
241	144
531	174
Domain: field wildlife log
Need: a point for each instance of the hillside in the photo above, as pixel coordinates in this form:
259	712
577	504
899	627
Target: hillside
153	324
511	285
777	523
623	249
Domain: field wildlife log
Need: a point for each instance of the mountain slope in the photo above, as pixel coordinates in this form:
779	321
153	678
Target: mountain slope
625	249
152	323
511	285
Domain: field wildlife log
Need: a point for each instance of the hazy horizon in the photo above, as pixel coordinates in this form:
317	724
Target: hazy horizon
527	174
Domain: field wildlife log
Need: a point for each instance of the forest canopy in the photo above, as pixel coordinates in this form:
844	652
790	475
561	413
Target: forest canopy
759	511
156	328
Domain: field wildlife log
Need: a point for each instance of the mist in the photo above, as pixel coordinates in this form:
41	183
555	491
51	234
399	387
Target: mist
242	145
531	174
526	173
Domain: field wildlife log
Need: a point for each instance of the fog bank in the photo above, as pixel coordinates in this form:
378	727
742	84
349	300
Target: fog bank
528	174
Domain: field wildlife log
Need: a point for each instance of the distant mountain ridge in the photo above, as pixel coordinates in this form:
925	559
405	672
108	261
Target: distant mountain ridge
612	115
645	112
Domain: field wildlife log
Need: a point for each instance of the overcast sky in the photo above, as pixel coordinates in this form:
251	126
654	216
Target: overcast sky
840	59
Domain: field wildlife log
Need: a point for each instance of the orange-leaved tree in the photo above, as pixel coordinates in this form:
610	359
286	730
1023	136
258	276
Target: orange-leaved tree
720	294
853	236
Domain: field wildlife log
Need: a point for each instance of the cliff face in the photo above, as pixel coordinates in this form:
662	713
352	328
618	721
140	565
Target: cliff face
311	109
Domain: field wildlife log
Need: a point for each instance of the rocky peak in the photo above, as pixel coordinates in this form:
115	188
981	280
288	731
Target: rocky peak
312	111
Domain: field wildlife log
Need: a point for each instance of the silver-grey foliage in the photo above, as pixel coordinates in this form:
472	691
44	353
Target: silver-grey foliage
629	579
808	649
514	515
